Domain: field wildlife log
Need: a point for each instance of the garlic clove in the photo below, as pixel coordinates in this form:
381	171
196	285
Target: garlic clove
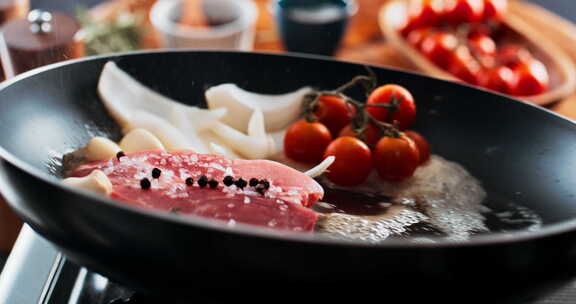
96	182
140	140
100	148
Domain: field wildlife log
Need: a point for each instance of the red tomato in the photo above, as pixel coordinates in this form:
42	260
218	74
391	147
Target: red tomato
396	159
464	66
371	134
405	114
439	48
425	12
333	112
495	9
416	36
512	54
353	161
500	79
306	141
464	11
421	143
532	78
482	44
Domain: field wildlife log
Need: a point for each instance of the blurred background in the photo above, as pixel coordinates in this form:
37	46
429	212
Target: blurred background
40	32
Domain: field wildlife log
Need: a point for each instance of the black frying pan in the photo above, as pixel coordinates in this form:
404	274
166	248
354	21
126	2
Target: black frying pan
521	153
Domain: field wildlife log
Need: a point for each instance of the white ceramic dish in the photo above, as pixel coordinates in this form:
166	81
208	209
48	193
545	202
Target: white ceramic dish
237	34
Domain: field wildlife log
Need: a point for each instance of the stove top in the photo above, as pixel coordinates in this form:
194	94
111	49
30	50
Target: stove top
35	273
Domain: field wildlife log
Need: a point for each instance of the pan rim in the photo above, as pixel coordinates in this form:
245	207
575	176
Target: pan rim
489	239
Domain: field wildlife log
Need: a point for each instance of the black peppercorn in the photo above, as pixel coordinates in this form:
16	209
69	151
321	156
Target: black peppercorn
120	154
145	184
203	181
228	180
260	189
265	183
156	173
253	182
189	181
213	183
241	183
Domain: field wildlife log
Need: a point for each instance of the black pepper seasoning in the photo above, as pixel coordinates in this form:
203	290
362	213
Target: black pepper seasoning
260	189
120	154
203	181
189	181
156	173
241	183
253	182
213	183
228	180
265	183
145	184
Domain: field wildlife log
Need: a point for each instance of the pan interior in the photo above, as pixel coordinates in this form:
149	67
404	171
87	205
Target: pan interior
524	156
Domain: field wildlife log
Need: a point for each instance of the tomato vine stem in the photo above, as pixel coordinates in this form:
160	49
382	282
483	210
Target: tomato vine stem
361	119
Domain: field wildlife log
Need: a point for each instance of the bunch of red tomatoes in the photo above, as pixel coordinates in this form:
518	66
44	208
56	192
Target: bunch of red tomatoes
361	136
459	36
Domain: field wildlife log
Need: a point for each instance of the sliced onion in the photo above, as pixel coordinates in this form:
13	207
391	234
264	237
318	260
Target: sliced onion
278	110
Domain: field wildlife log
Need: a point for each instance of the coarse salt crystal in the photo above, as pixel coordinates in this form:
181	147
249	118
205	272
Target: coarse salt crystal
231	223
228	171
247	200
230	205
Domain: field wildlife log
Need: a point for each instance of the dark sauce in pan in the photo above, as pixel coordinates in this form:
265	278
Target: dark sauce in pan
443	200
505	217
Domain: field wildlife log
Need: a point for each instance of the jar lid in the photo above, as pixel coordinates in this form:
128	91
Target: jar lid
41	30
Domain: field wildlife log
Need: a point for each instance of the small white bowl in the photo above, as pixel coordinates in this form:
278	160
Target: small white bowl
237	34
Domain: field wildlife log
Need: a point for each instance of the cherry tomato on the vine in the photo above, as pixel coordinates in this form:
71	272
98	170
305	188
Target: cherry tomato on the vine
464	11
499	79
532	78
333	112
421	143
495	9
353	161
417	36
405	113
425	12
370	136
464	66
306	141
396	159
511	55
482	44
439	47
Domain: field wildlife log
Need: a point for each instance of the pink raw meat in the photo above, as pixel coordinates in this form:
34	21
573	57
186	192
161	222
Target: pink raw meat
283	206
